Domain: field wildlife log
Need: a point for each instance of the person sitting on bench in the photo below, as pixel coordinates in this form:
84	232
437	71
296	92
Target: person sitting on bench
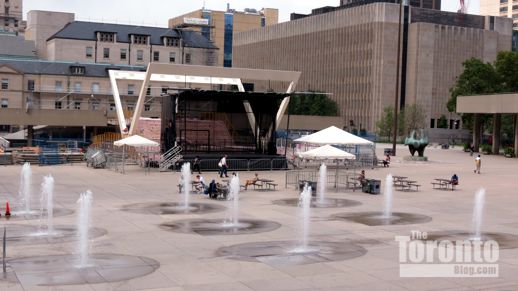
361	178
386	161
454	179
252	181
212	191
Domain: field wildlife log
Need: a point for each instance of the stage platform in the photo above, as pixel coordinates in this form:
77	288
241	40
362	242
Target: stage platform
239	161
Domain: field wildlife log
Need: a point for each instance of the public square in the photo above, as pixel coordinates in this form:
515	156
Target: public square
192	261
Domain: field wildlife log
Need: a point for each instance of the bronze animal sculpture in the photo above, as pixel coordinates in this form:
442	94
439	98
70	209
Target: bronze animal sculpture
417	141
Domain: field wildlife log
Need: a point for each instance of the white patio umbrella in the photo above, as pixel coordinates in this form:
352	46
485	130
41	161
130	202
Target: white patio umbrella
135	141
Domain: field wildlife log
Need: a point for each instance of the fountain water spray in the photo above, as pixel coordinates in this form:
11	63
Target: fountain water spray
186	178
83	226
305	206
47	193
478	211
322	182
233	192
387	211
25	186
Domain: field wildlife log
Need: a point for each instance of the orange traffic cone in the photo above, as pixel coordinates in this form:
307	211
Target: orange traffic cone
7	209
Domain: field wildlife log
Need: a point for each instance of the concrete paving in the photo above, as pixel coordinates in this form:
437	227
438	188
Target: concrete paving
189	261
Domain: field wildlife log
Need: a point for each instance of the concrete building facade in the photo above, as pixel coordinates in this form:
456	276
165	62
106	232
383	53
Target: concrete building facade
504	8
58	37
220	26
352	54
11	17
34	92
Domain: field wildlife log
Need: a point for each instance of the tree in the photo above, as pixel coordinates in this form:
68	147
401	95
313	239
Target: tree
414	116
506	65
386	122
385	125
312	104
442	122
477	78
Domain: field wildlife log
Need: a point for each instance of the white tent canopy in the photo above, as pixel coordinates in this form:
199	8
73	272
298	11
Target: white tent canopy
135	141
327	152
334	135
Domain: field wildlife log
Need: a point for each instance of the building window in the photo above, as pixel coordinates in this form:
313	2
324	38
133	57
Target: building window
514	7
263	21
187	58
112	106
77	70
95	105
106	36
432	123
123	54
172	41
227	40
172	57
139	39
5	84
6	22
59	86
164	90
140	55
4	103
16	23
58	105
30	85
131	106
156	56
89	52
77	105
131	89
503	9
148	91
95	87
106	53
77	87
147	107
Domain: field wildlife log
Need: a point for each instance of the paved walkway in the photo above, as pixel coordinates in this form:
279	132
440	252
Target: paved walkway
188	261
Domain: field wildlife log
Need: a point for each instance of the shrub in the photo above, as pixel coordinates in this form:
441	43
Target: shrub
486	148
509	152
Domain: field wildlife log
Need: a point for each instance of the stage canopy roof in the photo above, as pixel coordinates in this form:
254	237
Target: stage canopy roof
334	135
135	141
327	152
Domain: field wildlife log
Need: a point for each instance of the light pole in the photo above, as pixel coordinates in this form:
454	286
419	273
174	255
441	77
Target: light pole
394	125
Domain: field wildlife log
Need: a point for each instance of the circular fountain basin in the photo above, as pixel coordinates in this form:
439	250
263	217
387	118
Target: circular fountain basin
376	218
505	240
219	227
63	269
35	214
317	203
28	234
287	253
172	208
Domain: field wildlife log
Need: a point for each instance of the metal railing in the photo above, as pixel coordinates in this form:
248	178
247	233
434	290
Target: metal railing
336	178
170	157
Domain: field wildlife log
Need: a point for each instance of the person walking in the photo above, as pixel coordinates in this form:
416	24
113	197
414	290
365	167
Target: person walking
196	164
478	164
223	166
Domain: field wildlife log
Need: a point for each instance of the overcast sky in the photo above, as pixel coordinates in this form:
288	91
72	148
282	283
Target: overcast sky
157	12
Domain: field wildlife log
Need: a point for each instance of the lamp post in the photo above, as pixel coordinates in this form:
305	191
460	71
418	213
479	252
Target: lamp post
394	125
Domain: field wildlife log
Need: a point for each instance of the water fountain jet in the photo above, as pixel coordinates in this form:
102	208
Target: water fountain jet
47	194
387	210
478	212
83	226
233	192
25	186
186	179
322	182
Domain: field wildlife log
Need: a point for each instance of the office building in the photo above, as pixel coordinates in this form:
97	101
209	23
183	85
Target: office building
58	37
504	8
220	26
11	17
352	54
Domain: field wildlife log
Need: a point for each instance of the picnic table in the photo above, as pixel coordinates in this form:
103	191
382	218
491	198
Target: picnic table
404	184
266	184
443	184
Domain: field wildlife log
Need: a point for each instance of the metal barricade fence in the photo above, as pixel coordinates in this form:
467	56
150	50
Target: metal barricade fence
336	178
